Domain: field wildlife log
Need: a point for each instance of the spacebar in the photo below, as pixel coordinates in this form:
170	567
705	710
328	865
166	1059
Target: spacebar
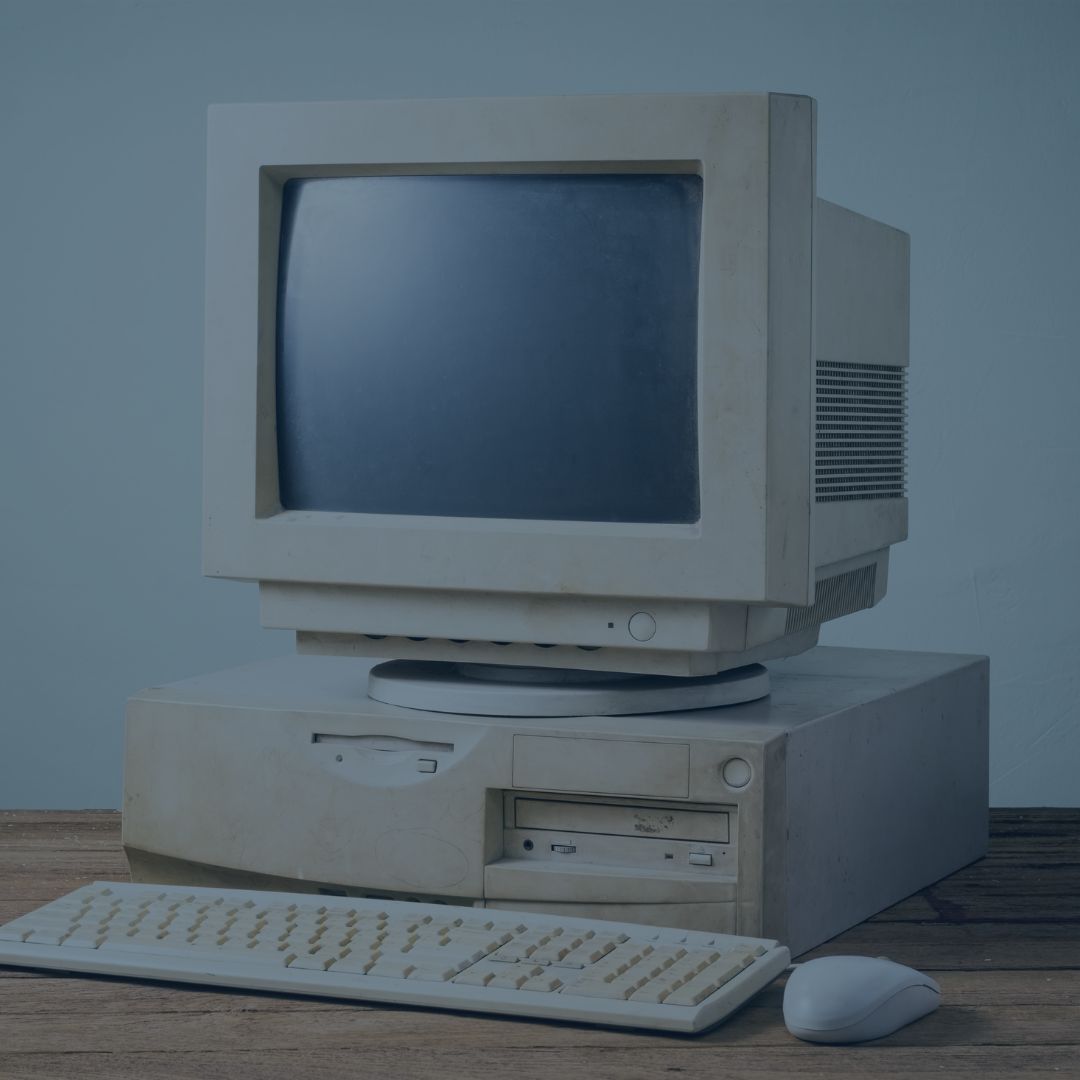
219	956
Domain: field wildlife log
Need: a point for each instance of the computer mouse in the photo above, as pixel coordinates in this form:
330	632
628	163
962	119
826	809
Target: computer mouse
850	999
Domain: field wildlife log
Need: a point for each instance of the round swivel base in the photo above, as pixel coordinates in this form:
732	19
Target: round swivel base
483	690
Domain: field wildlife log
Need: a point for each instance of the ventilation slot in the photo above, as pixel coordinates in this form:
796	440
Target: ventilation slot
860	429
467	641
836	596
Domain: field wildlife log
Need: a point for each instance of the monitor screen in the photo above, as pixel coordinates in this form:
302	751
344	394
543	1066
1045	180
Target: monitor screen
497	346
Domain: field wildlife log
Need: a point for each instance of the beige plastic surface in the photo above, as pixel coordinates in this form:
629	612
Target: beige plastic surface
856	758
608	767
576	586
414	954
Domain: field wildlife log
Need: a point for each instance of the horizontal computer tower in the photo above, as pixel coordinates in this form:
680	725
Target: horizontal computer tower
861	779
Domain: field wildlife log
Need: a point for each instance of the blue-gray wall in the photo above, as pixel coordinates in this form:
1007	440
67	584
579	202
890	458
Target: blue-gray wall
957	121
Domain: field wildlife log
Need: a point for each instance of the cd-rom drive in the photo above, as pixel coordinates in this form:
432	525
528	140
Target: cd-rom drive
657	836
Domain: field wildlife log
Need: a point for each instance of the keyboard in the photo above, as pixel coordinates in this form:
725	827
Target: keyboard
430	955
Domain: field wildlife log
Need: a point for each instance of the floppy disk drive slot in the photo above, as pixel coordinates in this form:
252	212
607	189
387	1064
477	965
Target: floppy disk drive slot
385	743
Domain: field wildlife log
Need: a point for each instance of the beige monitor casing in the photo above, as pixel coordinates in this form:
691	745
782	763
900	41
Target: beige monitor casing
786	280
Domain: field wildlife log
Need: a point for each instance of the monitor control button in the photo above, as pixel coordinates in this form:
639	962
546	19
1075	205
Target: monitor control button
642	626
700	858
426	765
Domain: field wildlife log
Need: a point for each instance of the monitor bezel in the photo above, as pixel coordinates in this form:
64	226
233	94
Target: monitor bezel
755	154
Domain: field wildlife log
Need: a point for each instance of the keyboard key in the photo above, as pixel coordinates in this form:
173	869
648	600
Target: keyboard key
623	957
392	968
621	987
477	975
693	992
431	972
84	938
660	959
354	964
477	923
652	993
479	939
588	952
546	983
523	946
317	960
551	953
516	977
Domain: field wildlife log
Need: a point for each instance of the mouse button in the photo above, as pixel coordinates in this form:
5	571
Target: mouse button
824	998
834	992
904	1007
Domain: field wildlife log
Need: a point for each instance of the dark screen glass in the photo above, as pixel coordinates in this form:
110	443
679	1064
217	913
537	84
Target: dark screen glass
510	346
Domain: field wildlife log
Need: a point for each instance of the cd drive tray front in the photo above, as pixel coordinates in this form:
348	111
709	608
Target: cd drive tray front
606	850
622	819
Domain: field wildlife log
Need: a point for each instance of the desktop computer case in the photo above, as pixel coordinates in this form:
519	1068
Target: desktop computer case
861	779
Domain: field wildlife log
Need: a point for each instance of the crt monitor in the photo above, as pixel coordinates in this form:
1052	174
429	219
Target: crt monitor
594	383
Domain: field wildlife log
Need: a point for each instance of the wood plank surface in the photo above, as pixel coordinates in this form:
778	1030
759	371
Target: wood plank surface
1002	937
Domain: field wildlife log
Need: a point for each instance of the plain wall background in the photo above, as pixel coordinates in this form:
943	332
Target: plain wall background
956	121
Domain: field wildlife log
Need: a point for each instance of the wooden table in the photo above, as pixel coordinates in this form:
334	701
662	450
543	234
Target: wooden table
1002	937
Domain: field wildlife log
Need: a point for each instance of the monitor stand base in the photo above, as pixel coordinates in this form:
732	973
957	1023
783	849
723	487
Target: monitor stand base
491	690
